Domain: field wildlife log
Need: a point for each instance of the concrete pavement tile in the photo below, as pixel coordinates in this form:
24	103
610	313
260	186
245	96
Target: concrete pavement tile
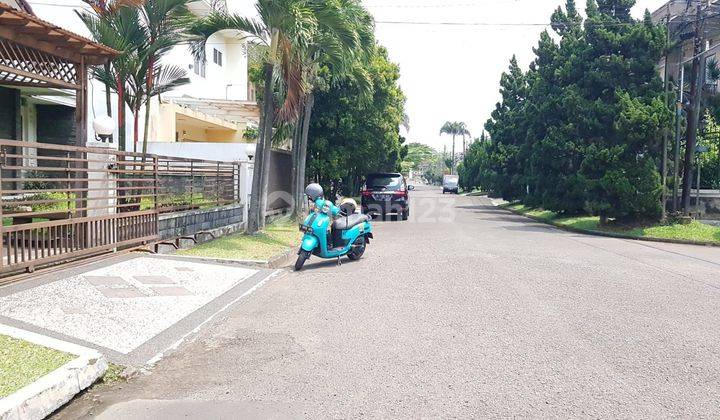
121	293
154	279
106	280
171	291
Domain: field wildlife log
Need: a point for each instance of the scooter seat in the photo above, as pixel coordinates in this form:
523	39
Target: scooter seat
349	222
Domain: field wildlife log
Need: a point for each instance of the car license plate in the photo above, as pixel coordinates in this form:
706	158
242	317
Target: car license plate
381	197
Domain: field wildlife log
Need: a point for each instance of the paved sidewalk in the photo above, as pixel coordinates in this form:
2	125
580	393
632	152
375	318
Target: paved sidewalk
131	308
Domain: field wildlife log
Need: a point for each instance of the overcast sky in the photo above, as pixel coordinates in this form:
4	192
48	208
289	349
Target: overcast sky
452	72
447	72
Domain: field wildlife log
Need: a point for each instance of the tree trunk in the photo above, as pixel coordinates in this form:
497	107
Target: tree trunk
256	213
121	116
309	104
267	156
452	158
108	96
693	119
136	128
296	185
145	132
148	87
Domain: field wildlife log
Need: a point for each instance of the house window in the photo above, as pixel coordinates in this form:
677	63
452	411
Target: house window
217	57
199	68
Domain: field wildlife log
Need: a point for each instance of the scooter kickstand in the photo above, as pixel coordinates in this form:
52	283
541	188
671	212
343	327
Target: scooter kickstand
339	263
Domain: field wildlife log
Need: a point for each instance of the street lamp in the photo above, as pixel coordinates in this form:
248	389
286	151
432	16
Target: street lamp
104	127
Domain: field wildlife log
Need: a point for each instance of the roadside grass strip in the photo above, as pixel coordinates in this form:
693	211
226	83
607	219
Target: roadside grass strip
22	363
695	232
277	238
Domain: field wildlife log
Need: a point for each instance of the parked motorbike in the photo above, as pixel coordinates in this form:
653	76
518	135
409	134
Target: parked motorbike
332	231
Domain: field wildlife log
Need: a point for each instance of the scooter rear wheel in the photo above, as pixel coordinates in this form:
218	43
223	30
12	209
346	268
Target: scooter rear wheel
358	249
300	262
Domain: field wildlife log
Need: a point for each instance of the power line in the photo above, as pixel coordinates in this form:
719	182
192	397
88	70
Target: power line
426	23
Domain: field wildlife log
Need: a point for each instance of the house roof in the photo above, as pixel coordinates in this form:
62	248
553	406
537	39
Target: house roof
25	29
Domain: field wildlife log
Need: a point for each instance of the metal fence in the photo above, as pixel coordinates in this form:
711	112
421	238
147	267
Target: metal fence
59	203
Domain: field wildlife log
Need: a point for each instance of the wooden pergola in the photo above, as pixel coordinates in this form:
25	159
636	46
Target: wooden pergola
37	53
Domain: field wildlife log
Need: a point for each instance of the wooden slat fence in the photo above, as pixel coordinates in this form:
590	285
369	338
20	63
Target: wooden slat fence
59	203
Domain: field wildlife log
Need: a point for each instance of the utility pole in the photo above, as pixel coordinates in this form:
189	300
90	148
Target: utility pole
678	134
666	132
696	79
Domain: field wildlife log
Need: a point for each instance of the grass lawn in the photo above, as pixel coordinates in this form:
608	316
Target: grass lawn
694	231
475	193
21	363
275	239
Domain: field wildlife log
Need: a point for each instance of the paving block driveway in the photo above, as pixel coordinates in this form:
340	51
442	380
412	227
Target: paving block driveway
131	308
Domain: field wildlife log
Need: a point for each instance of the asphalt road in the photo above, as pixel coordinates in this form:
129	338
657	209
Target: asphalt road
463	311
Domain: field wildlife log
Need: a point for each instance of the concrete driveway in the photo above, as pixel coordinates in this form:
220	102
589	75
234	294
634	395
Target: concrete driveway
463	311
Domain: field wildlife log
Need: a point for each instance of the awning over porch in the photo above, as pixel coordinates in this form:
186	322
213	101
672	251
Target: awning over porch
236	111
34	52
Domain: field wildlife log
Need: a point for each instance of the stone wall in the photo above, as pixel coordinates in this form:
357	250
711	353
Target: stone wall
188	223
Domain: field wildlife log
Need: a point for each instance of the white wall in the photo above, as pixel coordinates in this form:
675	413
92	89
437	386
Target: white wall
227	152
228	81
213	86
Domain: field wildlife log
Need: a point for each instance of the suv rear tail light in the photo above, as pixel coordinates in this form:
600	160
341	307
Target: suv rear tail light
400	194
366	193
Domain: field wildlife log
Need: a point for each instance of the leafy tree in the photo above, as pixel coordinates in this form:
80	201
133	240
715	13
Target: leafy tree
350	138
710	160
629	113
579	130
474	170
287	29
344	46
419	155
507	128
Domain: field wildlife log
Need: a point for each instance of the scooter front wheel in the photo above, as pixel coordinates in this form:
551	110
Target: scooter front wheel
302	257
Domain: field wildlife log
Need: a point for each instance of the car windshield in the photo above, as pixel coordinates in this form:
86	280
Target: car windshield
384	183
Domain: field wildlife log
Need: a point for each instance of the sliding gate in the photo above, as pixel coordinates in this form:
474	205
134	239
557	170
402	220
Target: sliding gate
59	203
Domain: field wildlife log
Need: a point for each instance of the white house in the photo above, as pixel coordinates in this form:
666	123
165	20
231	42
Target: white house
204	119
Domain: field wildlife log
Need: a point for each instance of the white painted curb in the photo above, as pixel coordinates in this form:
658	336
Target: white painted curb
41	398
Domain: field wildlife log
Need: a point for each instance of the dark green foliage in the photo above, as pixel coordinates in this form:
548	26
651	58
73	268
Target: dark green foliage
473	171
581	130
349	137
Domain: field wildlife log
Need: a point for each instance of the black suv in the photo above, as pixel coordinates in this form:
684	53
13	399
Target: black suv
386	193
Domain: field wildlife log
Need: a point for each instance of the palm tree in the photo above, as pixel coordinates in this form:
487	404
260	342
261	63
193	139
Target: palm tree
143	32
344	43
103	9
115	25
455	128
287	29
165	22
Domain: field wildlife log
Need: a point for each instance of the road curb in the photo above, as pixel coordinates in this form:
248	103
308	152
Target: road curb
281	260
42	397
608	234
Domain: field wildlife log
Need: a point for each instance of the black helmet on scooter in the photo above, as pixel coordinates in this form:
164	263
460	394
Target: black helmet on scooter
314	191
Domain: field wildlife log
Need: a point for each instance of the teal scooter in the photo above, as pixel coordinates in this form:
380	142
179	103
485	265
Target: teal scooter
332	231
